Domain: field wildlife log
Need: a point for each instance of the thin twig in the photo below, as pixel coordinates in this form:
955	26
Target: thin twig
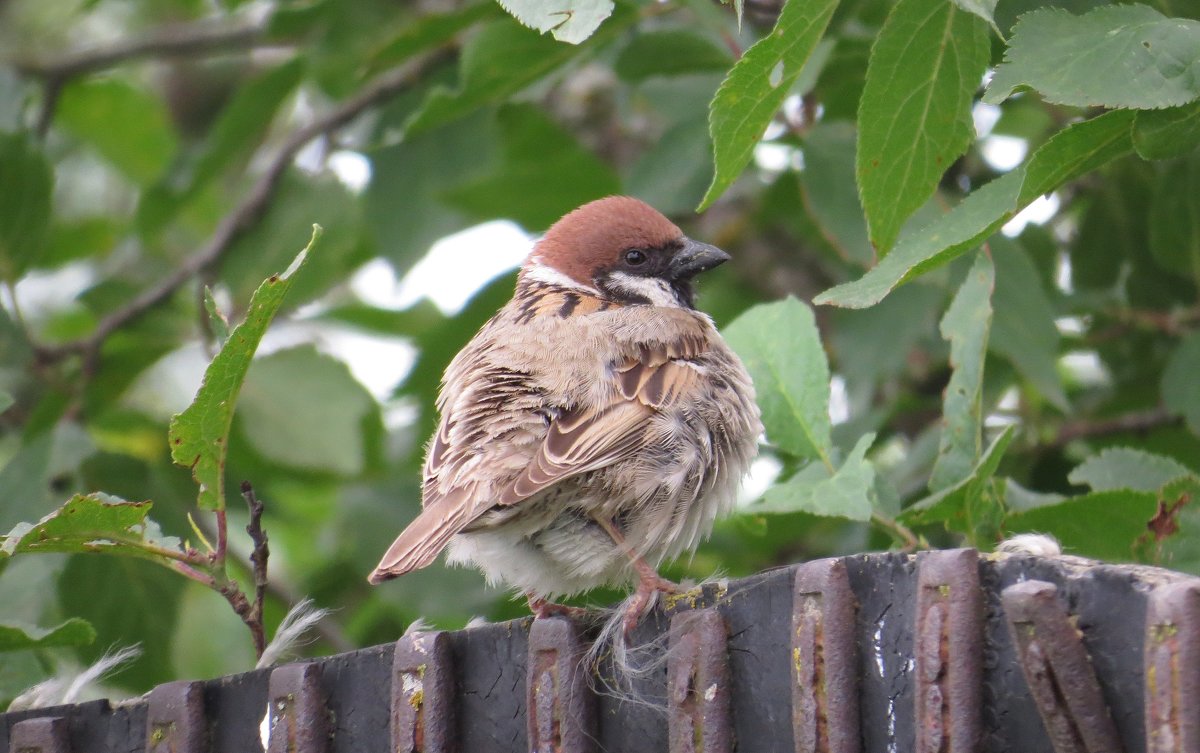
243	217
186	40
1135	421
898	530
258	557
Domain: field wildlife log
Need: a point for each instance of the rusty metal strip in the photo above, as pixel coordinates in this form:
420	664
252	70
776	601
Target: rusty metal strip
949	652
699	714
1172	668
423	719
561	710
175	718
824	660
46	734
299	715
1058	670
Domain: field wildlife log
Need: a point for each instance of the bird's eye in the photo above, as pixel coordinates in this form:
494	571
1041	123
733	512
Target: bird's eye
635	256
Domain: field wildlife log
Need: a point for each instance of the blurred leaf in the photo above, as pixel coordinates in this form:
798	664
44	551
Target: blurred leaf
1075	150
199	436
499	61
847	493
757	85
962	506
781	348
403	207
1162	134
210	639
1127	468
914	118
1023	328
93	523
128	602
669	52
26	183
30	481
567	20
544	173
1175	217
81	238
982	8
1103	524
73	632
839	88
426	32
1181	381
1114	223
1114	56
672	173
304	410
239	129
128	126
830	193
299	203
966	326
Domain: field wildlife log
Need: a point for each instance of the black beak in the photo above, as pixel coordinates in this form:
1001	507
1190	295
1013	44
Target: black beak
694	258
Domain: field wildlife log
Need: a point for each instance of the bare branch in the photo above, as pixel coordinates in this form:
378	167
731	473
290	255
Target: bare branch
1136	421
244	216
258	557
186	40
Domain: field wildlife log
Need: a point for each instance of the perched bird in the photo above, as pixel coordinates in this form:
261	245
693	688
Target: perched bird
595	426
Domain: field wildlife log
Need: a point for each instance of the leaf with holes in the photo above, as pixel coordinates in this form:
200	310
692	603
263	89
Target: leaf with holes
1114	56
93	523
966	326
199	436
757	85
914	118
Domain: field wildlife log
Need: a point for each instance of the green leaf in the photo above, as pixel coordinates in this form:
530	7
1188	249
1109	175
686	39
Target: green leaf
1175	217
985	9
568	20
1127	468
128	126
669	52
1181	381
1104	524
26	183
962	506
426	32
1114	56
966	326
1023	328
781	347
757	85
18	637
127	602
544	173
830	193
846	493
304	410
914	118
1073	151
1162	134
93	523
499	61
199	436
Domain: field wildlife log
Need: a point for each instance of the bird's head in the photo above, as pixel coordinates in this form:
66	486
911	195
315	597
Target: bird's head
625	250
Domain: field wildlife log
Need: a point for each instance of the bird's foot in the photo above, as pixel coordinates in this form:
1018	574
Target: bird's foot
650	583
543	608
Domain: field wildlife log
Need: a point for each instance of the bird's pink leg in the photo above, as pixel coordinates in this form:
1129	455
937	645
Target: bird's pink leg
649	581
542	608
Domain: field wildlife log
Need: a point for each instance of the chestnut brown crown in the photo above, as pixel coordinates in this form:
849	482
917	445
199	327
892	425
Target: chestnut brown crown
611	243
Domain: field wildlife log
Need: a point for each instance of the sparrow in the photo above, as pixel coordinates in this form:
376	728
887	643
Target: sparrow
596	426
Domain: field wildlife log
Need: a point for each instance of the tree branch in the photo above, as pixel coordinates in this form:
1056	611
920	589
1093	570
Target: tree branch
243	217
1127	422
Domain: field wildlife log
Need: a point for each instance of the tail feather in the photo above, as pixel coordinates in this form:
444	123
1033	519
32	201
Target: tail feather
419	545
